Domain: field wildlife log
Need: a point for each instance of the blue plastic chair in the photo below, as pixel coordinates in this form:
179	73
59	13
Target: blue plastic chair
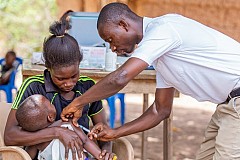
111	103
11	84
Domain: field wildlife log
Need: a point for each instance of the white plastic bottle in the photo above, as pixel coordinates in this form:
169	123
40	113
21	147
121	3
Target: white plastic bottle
110	61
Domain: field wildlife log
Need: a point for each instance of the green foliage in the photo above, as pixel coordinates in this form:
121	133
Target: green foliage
24	24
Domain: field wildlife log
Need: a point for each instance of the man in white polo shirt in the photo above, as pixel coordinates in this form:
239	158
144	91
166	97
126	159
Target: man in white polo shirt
188	56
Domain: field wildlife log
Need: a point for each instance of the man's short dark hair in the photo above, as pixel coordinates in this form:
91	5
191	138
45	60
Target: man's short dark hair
112	12
31	114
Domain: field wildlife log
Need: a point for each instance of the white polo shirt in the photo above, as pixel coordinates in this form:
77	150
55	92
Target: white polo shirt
191	57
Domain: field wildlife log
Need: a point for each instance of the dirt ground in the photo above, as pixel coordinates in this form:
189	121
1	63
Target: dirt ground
190	119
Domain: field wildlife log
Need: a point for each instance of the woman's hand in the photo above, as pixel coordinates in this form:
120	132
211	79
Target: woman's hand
102	132
71	141
72	111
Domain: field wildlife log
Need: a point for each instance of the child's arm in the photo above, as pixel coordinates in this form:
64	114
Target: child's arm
101	118
58	123
89	145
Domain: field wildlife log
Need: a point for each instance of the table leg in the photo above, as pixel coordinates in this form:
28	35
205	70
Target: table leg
144	134
167	138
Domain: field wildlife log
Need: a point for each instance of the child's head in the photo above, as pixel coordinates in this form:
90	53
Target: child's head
35	113
62	55
10	58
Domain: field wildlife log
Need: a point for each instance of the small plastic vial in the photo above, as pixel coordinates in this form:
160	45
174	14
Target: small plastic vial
110	61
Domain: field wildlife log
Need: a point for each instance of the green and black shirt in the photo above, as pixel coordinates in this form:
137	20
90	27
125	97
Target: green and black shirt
42	84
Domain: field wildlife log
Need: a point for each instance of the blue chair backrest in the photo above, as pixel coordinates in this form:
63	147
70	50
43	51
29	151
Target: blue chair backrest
11	84
18	59
1	61
13	74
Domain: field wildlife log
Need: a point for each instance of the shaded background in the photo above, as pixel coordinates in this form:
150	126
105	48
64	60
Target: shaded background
24	23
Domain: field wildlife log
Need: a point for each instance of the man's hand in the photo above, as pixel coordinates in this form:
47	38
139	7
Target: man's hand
72	111
107	156
102	132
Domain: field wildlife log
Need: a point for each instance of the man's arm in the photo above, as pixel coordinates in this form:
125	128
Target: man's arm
158	111
106	87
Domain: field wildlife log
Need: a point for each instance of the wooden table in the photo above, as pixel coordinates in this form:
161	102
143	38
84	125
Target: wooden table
144	83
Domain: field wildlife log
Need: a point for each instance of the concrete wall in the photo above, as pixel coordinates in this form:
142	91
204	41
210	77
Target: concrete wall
222	15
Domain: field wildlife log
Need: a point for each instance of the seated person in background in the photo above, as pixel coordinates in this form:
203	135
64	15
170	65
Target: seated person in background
35	113
9	65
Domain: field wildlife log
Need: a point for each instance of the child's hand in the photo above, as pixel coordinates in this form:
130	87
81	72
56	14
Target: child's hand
107	156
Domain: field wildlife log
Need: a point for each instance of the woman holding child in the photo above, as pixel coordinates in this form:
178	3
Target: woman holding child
60	84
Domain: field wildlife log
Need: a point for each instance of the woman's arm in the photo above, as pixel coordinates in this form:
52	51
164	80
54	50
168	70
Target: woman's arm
14	135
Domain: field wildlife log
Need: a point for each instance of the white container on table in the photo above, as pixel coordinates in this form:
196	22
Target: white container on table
110	61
